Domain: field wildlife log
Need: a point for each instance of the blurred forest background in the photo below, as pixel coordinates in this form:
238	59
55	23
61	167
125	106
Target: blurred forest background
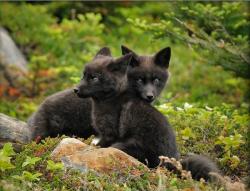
206	99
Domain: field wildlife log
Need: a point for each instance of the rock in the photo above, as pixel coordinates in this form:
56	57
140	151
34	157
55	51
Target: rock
9	52
14	131
13	65
103	160
67	146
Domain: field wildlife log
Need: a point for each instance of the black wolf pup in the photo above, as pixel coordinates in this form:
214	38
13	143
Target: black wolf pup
63	113
149	78
146	77
127	122
120	116
104	80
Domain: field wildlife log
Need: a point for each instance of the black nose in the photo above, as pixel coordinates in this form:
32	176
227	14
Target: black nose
76	90
150	97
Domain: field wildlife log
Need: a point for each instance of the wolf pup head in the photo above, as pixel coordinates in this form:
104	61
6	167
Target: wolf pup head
104	76
147	75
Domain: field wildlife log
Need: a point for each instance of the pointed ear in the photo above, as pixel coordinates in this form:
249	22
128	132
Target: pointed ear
134	61
162	58
105	51
120	64
126	50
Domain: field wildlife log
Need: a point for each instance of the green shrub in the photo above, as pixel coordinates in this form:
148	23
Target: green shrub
219	132
219	32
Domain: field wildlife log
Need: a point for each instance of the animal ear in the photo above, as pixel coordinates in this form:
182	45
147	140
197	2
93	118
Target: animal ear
120	64
126	50
134	61
162	58
105	51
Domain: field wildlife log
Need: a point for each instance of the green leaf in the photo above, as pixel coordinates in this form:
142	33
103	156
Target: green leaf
5	158
31	177
187	133
5	163
30	161
7	150
51	165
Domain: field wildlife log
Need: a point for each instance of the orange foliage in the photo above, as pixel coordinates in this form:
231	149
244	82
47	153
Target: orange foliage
13	92
45	73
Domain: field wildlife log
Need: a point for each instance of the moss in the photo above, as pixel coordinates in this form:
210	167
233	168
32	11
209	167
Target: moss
130	179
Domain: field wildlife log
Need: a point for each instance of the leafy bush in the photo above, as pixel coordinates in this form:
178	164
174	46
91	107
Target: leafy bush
52	48
219	132
220	32
58	47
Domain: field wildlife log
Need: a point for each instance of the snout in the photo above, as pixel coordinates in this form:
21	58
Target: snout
150	97
82	91
76	90
148	93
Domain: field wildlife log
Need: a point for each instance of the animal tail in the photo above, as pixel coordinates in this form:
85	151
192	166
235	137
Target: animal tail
199	166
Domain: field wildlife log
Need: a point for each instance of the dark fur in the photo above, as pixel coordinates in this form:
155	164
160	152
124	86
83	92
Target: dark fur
123	118
125	121
63	113
148	73
199	166
149	68
103	80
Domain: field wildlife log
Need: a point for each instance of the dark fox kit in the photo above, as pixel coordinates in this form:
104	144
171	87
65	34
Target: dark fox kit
62	113
66	113
115	100
148	75
120	116
121	110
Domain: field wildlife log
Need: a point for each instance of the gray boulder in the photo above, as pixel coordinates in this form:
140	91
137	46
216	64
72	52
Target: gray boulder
9	52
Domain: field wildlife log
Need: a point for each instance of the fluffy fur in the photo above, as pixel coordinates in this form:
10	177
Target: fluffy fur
121	117
63	113
199	166
124	119
148	74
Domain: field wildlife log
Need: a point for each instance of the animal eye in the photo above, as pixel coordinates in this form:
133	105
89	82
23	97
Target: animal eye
95	79
156	81
139	81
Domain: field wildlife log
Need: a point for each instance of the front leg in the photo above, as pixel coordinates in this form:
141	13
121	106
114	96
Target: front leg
106	141
132	148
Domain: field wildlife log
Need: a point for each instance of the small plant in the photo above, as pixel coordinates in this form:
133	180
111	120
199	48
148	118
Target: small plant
28	176
30	161
187	133
229	144
5	157
52	166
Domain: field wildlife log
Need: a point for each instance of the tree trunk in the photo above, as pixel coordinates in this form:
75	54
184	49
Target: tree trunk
14	131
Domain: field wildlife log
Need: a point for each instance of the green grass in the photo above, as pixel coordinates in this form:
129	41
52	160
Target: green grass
37	175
